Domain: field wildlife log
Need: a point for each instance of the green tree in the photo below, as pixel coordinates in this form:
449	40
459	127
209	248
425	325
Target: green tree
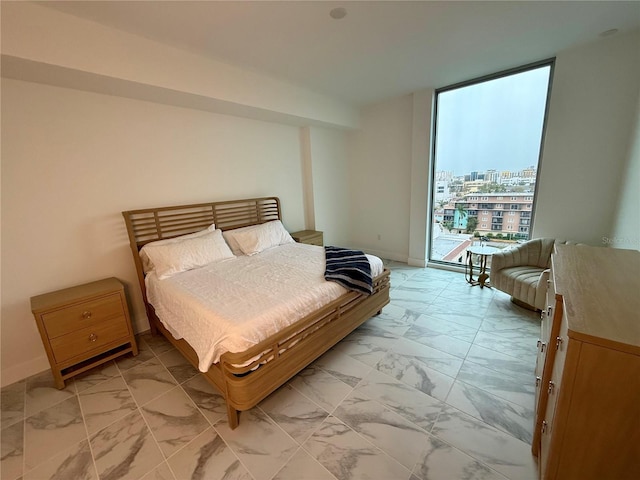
448	225
472	223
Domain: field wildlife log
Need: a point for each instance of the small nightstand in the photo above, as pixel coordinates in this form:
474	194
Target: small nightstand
310	237
84	326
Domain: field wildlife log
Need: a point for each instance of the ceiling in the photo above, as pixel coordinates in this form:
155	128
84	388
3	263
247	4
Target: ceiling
379	50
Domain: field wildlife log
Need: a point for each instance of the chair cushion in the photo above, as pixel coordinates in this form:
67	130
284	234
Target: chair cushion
521	282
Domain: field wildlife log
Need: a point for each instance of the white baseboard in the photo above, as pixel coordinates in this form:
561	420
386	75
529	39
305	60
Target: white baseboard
40	364
417	262
23	370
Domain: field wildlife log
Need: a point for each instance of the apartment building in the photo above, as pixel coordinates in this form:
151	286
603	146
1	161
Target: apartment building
508	214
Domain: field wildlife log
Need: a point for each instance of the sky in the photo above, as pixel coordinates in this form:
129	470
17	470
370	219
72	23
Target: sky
492	125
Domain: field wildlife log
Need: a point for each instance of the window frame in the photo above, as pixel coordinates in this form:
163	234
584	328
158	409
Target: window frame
549	62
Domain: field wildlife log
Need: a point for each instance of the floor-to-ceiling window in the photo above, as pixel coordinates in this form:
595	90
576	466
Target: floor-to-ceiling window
488	136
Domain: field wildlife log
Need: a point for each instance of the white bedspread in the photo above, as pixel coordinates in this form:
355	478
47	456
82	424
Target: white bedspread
236	303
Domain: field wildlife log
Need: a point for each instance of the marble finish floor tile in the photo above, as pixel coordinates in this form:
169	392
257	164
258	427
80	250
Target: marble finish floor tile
500	362
410	403
414	370
125	449
51	431
441	461
303	466
12	403
41	392
259	443
293	412
148	381
210	402
515	389
343	367
73	463
422	334
498	450
179	367
321	387
394	319
105	403
207	457
387	430
509	417
349	456
96	375
129	361
439	386
161	472
174	420
12	452
521	348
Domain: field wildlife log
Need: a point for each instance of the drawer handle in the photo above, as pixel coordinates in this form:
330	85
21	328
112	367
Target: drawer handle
551	385
86	314
93	337
542	347
539	343
538	380
544	426
558	342
549	311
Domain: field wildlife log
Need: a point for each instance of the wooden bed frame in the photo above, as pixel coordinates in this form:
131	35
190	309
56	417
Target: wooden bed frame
282	355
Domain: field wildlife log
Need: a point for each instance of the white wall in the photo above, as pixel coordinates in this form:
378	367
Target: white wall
73	160
45	45
330	170
626	231
590	128
591	117
380	158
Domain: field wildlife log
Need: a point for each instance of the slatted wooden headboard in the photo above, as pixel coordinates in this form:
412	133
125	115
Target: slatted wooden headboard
151	224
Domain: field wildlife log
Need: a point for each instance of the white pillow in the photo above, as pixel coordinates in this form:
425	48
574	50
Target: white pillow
187	254
147	264
255	239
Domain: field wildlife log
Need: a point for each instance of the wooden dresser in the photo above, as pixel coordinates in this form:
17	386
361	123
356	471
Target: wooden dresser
84	326
310	237
587	422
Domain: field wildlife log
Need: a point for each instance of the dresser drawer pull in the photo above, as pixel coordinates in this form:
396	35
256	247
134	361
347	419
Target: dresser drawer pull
93	337
538	380
551	385
549	309
542	347
539	343
86	314
544	426
558	342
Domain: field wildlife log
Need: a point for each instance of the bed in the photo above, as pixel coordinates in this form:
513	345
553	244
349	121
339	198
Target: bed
246	377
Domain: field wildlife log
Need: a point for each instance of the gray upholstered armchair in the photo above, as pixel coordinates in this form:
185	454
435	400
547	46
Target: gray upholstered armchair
522	272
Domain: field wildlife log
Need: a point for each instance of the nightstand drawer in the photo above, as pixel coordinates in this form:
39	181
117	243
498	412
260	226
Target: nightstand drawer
83	342
84	326
82	315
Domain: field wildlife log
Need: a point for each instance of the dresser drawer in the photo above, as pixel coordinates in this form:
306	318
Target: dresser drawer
85	341
82	315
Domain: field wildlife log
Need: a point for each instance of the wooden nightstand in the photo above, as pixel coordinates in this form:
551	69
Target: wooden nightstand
310	237
84	326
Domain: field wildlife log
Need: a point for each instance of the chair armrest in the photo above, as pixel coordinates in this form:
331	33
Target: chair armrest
542	281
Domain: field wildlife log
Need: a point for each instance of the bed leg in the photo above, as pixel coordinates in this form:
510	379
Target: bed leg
153	328
232	415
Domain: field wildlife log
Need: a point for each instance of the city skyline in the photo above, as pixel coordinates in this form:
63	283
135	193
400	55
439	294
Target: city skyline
493	125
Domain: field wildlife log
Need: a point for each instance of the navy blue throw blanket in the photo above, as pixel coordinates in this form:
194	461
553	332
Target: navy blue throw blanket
349	268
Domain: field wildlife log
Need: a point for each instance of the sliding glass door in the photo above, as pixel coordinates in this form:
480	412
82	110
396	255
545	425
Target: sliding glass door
488	136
